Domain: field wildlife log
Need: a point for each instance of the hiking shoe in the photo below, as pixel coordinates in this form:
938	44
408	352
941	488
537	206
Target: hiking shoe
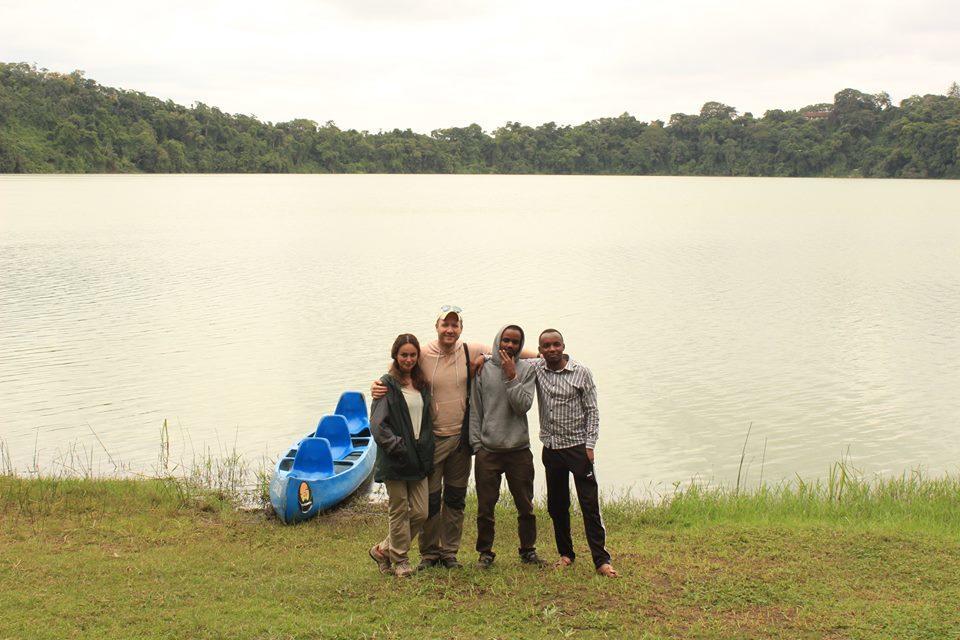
427	563
450	563
485	560
383	563
403	569
531	557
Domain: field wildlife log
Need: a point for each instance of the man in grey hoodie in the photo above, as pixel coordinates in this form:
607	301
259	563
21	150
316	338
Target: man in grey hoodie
501	397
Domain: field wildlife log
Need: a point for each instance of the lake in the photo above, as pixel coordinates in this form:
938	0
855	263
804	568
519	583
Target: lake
824	313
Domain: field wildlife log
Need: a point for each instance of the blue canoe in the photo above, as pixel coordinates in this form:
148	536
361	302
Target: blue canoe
326	466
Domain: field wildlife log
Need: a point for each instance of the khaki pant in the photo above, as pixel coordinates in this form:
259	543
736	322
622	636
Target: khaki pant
407	506
448	490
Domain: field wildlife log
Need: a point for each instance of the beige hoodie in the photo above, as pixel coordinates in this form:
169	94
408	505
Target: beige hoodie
446	373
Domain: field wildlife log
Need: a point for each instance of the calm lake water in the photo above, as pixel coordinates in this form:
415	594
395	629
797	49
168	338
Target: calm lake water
824	312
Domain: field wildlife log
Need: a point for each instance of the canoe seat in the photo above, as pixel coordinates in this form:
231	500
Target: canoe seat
353	407
314	459
334	429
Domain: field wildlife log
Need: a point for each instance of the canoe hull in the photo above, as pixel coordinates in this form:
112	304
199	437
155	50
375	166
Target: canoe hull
297	497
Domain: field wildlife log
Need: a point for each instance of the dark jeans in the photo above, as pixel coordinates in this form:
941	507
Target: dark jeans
487	470
559	464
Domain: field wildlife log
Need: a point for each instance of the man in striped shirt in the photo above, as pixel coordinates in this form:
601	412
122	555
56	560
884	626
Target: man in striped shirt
569	427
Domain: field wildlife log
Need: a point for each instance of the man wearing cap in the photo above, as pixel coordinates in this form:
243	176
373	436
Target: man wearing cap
446	364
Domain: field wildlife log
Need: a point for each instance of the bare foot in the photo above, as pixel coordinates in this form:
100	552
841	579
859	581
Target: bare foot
563	562
607	571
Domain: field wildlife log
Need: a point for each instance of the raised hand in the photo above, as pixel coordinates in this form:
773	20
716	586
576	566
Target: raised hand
507	365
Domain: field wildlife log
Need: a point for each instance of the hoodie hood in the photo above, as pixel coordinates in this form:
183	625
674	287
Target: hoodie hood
495	347
498	407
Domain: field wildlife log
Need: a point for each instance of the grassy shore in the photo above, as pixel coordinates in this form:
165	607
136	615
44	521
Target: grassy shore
843	558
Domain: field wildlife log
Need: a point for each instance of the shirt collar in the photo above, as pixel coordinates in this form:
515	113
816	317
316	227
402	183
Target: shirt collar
569	365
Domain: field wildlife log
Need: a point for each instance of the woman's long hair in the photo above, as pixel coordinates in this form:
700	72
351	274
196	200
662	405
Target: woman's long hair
416	375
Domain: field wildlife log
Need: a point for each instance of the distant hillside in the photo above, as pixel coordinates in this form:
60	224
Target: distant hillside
53	122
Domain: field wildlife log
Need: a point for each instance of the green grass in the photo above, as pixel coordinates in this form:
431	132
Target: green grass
843	558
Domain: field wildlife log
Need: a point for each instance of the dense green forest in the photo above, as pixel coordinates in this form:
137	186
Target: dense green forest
54	122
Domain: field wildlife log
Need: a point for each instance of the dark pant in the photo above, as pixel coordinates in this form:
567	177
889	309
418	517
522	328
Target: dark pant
559	464
518	467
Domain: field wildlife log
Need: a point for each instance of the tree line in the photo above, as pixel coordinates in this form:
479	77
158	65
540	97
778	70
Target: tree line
55	122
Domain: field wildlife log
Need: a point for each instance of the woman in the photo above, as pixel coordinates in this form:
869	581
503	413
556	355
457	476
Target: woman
400	423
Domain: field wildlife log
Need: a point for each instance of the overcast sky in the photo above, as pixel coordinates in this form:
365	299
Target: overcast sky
381	64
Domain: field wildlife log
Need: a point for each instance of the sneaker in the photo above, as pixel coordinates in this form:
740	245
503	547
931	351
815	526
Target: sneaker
427	563
403	569
486	560
531	557
383	563
450	562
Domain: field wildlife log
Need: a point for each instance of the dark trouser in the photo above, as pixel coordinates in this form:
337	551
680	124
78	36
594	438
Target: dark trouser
518	467
559	464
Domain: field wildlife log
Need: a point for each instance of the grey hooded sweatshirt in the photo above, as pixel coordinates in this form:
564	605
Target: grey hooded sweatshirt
498	408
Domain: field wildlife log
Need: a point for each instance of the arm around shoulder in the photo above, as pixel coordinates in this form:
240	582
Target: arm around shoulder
378	390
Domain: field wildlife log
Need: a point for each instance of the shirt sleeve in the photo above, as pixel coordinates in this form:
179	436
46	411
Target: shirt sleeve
591	410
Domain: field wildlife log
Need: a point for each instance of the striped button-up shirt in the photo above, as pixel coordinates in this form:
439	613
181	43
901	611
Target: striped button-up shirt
569	415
